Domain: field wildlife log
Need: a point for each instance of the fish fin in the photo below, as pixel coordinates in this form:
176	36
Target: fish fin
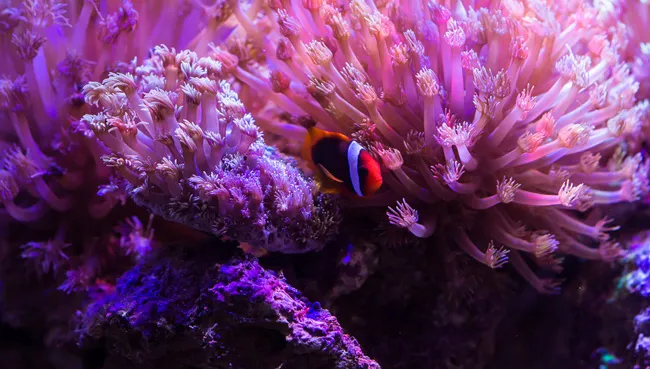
325	184
330	190
328	174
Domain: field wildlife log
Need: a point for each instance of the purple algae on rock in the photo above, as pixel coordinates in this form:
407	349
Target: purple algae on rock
207	307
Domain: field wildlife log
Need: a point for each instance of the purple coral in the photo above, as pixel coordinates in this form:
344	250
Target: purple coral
182	139
642	328
637	279
634	284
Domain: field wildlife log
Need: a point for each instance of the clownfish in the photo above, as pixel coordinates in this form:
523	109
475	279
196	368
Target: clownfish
340	163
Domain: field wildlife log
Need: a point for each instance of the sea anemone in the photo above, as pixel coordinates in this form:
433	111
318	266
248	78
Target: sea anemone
49	182
63	212
509	121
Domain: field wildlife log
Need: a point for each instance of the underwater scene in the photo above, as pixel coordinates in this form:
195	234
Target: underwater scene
325	184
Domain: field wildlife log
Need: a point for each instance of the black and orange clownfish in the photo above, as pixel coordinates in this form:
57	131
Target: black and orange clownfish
341	165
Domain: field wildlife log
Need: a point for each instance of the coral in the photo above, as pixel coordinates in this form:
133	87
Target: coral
636	280
52	179
210	170
629	300
200	306
509	112
642	344
634	288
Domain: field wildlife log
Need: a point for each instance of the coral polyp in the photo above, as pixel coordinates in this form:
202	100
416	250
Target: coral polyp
182	139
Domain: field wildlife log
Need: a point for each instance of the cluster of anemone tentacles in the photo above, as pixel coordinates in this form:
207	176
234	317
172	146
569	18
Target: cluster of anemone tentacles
521	115
508	125
60	208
